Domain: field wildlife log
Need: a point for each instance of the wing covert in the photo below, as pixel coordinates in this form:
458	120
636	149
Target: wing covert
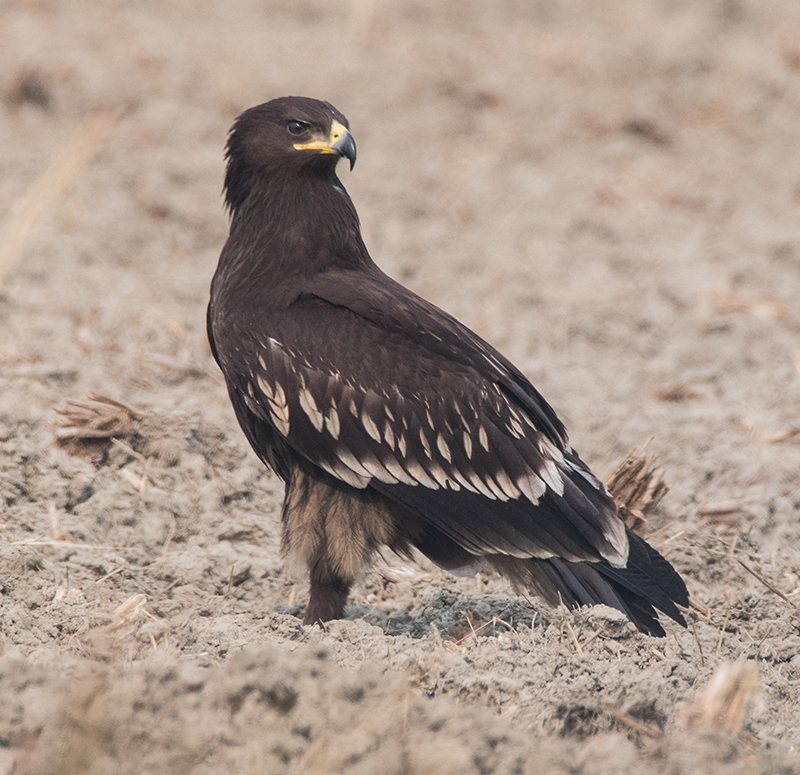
449	442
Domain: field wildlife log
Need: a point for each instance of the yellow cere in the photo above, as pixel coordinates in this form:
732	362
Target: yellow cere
324	146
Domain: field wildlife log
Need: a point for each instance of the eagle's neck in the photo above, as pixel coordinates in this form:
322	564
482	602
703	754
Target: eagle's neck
290	227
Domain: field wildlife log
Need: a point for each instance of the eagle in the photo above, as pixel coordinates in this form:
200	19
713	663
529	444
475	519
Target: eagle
391	423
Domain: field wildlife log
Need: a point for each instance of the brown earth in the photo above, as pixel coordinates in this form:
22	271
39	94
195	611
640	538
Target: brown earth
607	190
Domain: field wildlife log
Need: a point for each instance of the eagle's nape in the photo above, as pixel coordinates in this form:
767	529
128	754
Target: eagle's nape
390	422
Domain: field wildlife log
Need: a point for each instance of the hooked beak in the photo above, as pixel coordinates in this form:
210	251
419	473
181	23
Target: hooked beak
340	142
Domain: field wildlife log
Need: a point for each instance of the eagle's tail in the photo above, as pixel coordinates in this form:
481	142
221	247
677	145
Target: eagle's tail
648	582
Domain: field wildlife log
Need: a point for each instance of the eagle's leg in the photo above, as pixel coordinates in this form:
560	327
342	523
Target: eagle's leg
328	595
334	530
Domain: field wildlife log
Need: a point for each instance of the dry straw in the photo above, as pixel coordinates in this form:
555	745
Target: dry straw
723	702
637	486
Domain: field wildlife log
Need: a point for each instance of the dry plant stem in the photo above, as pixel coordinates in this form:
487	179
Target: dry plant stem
787	435
56	532
573	637
646	730
699	645
637	485
722	631
99	417
680	392
592	636
493	621
127	613
701	608
722	704
767	584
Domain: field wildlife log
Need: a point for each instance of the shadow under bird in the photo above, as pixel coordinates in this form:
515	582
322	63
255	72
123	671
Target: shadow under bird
391	423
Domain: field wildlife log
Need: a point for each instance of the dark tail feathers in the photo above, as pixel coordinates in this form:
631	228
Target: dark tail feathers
648	582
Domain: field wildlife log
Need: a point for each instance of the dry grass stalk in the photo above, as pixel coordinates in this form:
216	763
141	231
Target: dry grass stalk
592	637
63	592
723	702
108	575
131	606
722	631
682	391
56	532
474	631
645	730
403	574
673	537
699	645
87	428
64	168
573	638
637	485
720	512
733	303
51	542
700	607
128	613
139	483
791	434
766	583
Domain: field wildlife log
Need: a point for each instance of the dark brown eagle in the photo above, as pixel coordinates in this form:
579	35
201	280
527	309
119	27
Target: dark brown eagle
391	423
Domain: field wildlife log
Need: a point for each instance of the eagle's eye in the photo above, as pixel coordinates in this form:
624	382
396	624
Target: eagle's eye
297	127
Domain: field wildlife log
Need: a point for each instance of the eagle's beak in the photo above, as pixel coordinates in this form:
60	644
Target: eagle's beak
340	142
343	144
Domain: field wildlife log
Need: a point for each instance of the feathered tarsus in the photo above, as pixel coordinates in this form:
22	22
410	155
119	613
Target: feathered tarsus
390	422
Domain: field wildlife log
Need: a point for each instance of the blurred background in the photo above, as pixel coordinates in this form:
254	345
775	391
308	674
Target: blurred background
606	190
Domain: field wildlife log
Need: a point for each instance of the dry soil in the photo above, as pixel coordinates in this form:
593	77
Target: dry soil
607	190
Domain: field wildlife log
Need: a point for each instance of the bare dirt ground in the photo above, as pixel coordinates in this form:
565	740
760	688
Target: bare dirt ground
607	190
